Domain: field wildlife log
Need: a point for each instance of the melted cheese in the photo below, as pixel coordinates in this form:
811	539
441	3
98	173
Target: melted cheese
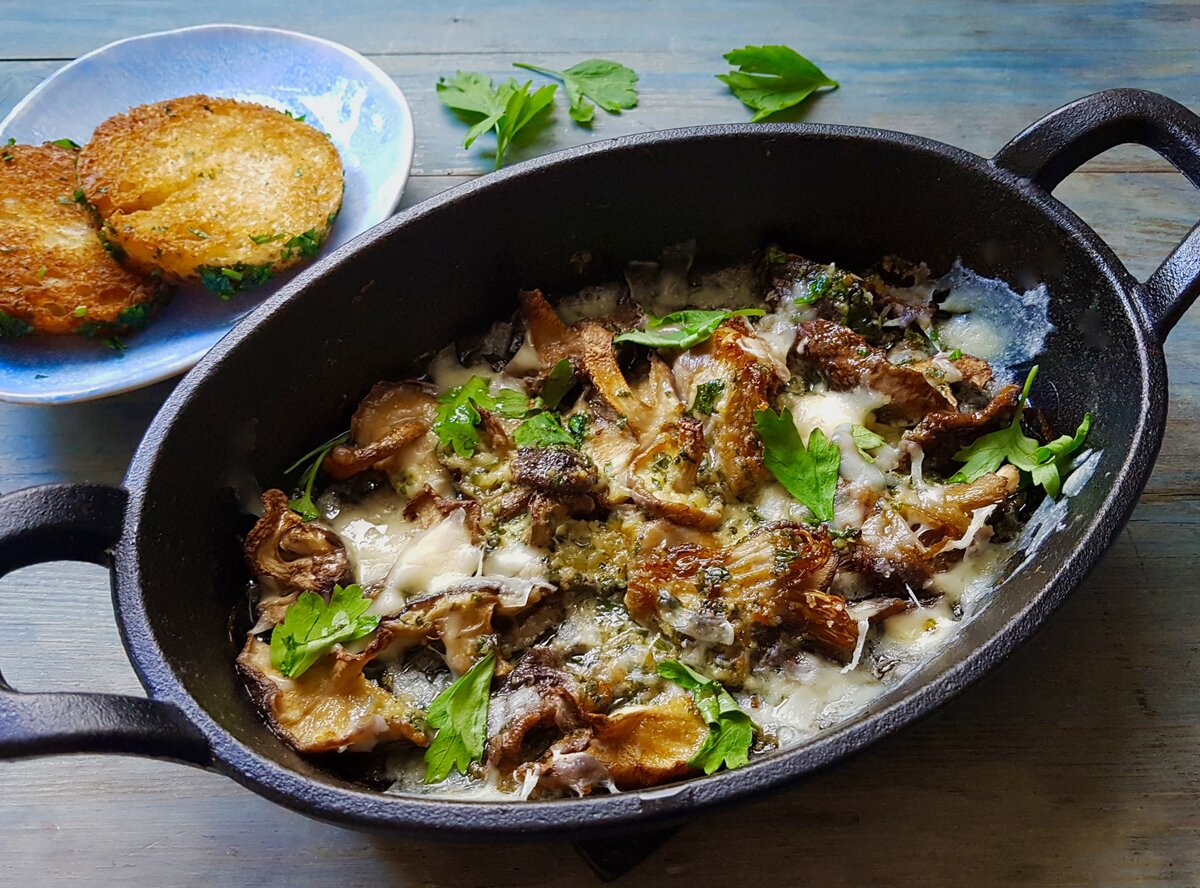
826	410
430	562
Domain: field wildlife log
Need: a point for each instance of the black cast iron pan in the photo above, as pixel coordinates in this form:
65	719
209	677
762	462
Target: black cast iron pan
293	371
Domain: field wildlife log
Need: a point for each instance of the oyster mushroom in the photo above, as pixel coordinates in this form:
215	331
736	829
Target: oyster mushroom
290	556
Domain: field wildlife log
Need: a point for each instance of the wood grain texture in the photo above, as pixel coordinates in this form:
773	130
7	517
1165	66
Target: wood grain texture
1074	764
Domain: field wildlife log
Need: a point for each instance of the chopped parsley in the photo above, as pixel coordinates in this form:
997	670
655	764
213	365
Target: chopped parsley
227	281
706	396
311	628
12	328
66	143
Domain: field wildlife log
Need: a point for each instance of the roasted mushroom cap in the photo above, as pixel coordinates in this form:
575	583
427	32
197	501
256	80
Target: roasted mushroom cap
391	417
293	555
332	706
778	576
847	361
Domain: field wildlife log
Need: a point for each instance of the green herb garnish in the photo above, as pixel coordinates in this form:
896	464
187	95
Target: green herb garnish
311	628
543	430
458	413
229	280
706	396
261	239
12	328
730	731
1045	463
506	109
770	79
299	118
809	473
557	384
864	440
66	143
683	329
459	715
306	245
303	505
609	84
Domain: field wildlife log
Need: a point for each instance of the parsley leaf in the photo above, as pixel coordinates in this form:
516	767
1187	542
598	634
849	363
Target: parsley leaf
609	84
1045	463
864	440
543	430
507	109
311	628
457	416
66	143
12	327
558	384
1053	458
772	78
730	731
303	505
683	329
458	413
810	474
459	715
706	396
508	402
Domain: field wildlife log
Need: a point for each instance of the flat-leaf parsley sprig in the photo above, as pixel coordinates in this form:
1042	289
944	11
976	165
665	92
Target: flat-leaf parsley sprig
607	83
506	109
770	79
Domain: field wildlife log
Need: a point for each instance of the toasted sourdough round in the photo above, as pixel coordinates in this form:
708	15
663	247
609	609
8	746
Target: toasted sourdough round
227	191
55	274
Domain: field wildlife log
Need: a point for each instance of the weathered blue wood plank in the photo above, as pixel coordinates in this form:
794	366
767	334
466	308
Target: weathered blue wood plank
34	29
937	94
1074	765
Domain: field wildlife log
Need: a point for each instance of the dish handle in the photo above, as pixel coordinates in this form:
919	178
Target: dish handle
80	522
1062	141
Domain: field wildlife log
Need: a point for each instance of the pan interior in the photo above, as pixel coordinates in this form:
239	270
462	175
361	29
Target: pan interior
452	268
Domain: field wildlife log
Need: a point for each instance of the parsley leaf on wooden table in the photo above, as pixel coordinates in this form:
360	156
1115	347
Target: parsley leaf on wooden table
683	329
730	731
810	474
609	84
459	715
311	628
507	109
770	79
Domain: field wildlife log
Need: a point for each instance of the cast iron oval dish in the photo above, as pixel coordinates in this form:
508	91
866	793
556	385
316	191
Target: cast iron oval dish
292	373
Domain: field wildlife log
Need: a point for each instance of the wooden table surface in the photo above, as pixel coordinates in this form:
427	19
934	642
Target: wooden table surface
1076	763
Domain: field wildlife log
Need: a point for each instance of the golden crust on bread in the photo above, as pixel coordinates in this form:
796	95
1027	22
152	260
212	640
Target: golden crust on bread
227	191
55	274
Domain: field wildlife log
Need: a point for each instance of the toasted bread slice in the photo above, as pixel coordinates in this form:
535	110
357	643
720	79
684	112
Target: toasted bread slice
55	274
227	191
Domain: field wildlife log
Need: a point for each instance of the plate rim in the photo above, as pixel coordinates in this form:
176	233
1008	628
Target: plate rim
186	362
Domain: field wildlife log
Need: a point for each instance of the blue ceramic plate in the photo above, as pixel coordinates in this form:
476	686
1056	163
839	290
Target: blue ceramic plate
337	89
